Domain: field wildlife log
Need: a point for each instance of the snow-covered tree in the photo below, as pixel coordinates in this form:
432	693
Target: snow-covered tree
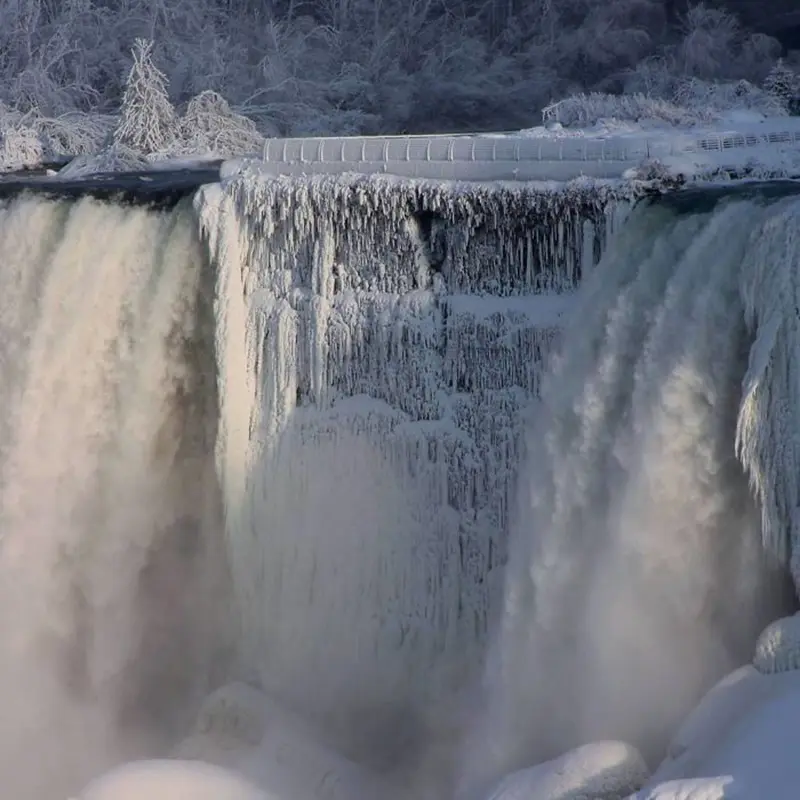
783	84
147	120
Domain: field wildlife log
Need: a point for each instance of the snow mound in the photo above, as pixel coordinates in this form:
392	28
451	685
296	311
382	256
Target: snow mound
778	647
744	756
600	771
171	780
728	700
244	730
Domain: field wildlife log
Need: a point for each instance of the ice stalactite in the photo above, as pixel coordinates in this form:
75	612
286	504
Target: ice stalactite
379	343
637	574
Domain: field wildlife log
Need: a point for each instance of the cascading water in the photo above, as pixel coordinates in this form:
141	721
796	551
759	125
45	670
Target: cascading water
342	432
637	574
109	512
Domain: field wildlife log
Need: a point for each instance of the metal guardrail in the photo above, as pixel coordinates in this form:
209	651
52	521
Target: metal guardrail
511	147
513	156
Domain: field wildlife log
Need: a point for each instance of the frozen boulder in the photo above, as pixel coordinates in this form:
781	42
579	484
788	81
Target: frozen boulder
600	771
778	647
171	780
244	730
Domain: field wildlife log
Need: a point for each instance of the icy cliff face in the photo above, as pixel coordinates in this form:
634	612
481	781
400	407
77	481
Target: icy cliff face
379	342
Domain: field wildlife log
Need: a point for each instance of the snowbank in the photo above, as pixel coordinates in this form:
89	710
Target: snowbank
171	780
735	743
751	760
600	771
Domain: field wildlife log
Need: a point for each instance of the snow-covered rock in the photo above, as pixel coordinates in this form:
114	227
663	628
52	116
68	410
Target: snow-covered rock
600	771
171	780
778	647
244	730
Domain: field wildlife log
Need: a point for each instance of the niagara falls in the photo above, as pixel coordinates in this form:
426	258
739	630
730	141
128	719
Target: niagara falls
401	401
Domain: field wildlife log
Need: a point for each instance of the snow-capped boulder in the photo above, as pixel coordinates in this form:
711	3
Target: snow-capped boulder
245	730
600	771
778	647
171	780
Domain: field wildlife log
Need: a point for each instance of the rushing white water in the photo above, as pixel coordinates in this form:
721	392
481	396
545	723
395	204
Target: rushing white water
107	503
636	573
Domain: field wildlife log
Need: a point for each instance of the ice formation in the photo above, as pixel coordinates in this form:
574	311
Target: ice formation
379	342
636	572
778	647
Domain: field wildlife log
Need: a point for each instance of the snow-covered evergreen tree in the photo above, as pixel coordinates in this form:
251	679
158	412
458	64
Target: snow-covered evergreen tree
783	84
147	120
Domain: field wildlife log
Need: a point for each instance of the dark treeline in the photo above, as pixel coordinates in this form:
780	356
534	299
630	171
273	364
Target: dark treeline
373	66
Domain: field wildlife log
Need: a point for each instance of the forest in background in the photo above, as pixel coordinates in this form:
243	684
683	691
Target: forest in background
338	67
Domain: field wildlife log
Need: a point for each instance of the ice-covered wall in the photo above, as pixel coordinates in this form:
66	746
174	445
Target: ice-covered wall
379	341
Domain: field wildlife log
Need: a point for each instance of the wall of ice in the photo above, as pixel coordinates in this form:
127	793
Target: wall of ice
379	343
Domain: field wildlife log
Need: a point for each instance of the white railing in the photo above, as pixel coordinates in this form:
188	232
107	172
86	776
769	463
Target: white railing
517	156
